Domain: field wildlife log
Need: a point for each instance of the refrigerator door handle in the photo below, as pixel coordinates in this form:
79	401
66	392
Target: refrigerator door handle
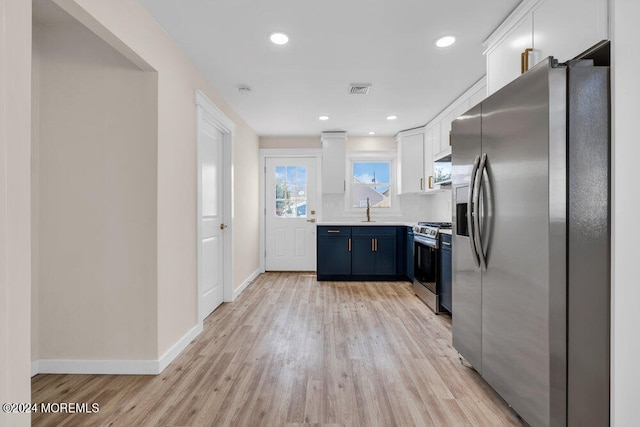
477	237
470	211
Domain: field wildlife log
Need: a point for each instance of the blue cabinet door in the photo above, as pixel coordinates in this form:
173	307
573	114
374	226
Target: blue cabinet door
362	256
409	254
374	251
444	272
384	256
334	257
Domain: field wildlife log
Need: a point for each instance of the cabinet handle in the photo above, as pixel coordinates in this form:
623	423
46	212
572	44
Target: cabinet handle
430	182
333	231
376	245
373	245
421	183
446	243
524	60
450	133
349	245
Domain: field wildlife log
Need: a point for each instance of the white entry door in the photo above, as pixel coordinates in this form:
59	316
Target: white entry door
210	217
290	200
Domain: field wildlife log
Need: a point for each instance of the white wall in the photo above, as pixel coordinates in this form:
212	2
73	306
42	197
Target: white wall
626	205
293	142
126	25
15	247
95	137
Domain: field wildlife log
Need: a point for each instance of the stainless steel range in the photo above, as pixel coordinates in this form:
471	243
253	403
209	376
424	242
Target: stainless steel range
425	282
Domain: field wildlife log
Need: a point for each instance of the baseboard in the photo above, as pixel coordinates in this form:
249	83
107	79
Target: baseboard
178	347
97	367
115	367
246	283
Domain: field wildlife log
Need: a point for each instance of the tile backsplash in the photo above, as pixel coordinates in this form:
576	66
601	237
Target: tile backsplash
413	208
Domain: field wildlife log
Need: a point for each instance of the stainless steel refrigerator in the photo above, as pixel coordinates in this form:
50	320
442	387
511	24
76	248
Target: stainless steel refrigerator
531	257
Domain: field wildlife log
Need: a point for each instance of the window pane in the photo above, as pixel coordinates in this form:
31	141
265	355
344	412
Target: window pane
378	196
291	191
371	180
291	173
371	172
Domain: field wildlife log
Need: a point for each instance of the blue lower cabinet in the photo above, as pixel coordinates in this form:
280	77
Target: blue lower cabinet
444	272
333	258
359	253
362	256
384	257
409	254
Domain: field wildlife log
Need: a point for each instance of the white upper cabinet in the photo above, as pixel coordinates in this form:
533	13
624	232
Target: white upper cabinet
411	161
443	141
566	28
334	158
540	28
463	104
430	137
504	58
419	148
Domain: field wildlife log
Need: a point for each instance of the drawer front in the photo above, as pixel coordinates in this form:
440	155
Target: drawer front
331	231
373	231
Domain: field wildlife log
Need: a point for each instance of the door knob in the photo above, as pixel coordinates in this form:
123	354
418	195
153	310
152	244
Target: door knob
222	226
311	220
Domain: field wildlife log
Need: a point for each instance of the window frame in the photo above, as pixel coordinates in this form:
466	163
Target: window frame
378	156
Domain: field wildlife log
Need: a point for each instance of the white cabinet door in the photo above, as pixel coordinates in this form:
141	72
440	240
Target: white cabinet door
445	128
334	158
565	28
431	136
435	141
411	151
503	60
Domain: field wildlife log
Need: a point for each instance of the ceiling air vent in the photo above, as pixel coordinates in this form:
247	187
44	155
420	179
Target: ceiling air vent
359	89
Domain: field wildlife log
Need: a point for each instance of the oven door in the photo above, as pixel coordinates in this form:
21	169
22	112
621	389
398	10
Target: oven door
425	283
425	262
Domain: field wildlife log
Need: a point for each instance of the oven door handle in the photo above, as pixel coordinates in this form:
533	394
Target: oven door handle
470	211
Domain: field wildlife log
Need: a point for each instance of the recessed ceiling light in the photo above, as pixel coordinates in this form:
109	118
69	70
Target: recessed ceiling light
445	41
372	133
279	38
392	117
323	118
244	90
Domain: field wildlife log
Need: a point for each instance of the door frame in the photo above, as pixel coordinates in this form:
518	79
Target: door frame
209	112
290	153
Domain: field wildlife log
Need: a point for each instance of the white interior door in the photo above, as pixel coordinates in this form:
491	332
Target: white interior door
210	217
290	200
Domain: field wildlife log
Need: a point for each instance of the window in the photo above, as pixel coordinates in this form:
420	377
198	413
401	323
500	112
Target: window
291	191
372	182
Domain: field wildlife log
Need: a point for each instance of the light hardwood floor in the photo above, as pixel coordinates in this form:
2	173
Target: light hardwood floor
291	351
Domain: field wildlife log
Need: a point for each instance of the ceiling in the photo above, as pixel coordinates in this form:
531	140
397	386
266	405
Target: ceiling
334	43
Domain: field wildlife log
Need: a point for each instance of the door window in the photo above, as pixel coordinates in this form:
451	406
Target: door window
291	191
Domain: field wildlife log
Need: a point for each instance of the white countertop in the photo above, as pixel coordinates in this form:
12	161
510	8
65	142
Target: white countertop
443	231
